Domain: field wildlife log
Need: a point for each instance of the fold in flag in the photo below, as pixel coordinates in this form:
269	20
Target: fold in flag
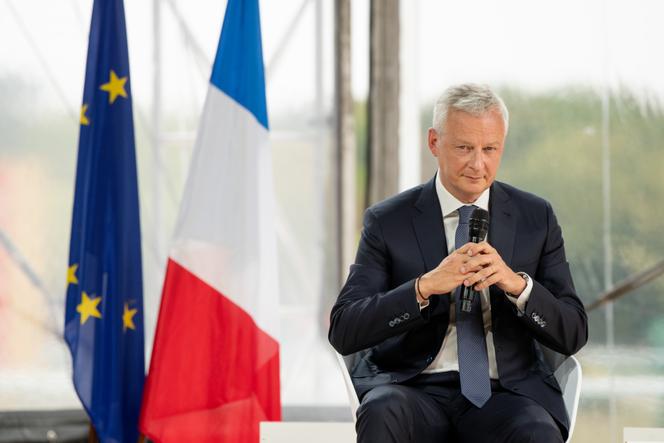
214	373
104	310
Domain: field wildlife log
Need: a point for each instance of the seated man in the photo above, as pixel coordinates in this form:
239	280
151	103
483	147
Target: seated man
437	369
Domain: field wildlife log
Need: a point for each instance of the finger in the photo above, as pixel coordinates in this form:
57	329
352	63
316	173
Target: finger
476	263
495	278
484	274
464	249
479	248
470	269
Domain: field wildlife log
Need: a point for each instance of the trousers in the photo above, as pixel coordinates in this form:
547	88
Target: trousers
430	408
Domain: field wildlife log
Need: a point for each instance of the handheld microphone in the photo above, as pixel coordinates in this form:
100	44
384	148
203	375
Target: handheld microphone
478	227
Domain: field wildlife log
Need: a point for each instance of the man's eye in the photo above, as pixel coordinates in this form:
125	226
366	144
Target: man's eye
489	148
464	147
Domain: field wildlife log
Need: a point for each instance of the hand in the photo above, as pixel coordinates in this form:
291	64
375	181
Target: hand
446	277
487	268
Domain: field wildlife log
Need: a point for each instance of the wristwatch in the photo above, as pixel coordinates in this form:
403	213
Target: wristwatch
423	304
523	276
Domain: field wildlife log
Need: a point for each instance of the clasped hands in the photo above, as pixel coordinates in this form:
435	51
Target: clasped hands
474	264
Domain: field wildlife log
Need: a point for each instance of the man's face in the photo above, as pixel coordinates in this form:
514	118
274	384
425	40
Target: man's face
468	152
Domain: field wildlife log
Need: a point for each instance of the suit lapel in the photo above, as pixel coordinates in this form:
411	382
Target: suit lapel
430	232
502	232
428	225
502	227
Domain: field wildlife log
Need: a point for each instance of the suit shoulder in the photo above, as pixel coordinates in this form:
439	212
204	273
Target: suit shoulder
396	205
523	197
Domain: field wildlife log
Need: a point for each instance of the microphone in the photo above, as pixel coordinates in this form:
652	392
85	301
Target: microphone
478	226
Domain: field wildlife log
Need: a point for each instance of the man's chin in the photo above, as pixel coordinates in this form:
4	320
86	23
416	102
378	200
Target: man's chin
472	193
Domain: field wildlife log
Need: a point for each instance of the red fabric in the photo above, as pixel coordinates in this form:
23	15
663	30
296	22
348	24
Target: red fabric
214	375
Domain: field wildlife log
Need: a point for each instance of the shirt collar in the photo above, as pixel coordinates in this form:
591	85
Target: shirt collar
449	203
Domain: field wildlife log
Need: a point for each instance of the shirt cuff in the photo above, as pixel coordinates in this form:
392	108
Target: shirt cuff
521	300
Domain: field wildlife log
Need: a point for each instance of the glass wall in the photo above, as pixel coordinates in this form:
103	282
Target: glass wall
586	119
41	83
583	83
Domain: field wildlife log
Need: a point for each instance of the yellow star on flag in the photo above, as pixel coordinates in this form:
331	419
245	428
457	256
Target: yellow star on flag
88	307
128	318
84	118
71	274
115	87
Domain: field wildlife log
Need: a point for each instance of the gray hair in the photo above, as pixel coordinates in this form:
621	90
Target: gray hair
468	97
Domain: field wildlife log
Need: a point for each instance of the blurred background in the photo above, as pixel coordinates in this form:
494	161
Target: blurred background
582	80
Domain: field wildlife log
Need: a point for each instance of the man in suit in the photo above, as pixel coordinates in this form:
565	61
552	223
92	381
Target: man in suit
440	364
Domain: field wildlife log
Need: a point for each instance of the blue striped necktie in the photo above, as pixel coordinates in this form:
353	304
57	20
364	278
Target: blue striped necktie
471	345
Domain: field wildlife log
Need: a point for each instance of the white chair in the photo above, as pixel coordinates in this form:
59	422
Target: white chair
568	374
346	365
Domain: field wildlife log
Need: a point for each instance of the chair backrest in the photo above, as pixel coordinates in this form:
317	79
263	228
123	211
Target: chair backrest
568	373
346	365
569	376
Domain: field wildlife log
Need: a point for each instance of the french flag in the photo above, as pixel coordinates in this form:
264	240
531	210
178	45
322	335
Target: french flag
214	372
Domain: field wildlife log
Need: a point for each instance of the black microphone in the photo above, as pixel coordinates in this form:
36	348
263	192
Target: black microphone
478	226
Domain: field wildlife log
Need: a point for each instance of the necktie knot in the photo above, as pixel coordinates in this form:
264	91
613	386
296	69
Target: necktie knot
465	212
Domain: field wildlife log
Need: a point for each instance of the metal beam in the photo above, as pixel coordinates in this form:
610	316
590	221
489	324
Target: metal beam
383	173
628	285
345	138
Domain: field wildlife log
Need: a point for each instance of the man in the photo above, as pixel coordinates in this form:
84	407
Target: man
439	365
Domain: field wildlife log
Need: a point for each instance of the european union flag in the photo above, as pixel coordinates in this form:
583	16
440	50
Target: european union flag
104	312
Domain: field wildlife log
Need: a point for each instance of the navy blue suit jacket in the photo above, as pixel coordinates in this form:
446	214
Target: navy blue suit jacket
403	237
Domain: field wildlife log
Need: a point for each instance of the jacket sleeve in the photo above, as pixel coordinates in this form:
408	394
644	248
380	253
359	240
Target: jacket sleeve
554	313
368	310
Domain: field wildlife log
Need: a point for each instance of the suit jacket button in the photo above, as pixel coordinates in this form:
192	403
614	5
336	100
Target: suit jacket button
391	323
429	359
406	316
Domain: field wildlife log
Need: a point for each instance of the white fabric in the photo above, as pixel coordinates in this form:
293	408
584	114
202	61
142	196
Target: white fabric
447	358
225	231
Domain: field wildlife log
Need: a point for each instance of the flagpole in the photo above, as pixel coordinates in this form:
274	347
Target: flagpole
92	434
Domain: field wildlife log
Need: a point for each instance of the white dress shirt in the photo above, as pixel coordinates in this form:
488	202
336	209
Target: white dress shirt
447	359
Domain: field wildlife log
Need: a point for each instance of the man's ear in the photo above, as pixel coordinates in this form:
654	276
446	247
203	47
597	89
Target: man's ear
433	139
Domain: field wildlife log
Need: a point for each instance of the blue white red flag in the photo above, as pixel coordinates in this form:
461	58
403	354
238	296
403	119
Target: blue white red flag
214	373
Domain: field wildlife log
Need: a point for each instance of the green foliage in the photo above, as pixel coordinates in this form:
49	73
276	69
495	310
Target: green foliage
554	149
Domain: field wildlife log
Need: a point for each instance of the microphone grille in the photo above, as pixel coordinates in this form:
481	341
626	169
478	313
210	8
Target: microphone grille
479	223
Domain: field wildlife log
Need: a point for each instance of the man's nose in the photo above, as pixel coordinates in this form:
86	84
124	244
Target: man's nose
477	159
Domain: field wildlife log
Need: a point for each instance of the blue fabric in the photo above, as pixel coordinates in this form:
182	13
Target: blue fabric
105	247
473	359
238	66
